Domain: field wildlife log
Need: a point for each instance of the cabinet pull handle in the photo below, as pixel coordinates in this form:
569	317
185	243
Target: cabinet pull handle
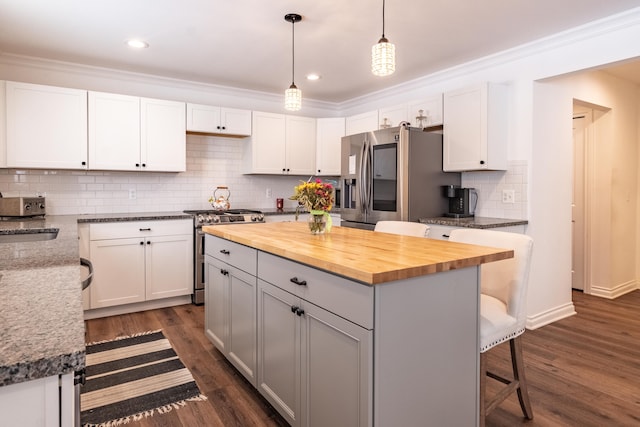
224	252
445	235
298	282
299	312
294	308
224	272
145	229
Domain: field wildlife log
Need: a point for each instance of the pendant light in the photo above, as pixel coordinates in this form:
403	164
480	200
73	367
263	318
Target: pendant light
293	95
383	54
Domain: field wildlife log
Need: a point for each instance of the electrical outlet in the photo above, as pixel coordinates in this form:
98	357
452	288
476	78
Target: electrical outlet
508	196
132	194
269	193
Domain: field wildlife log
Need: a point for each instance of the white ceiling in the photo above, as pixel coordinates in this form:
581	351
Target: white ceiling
247	43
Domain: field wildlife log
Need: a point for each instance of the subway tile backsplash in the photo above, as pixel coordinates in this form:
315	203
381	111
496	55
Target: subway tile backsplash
212	162
490	185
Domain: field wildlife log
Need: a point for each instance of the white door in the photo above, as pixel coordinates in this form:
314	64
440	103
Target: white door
329	133
163	135
119	272
242	322
578	226
169	266
300	145
268	143
215	304
235	122
114	131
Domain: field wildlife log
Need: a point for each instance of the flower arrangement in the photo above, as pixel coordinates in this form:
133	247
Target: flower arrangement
315	196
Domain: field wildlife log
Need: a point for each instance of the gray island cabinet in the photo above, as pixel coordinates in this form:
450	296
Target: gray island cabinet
350	328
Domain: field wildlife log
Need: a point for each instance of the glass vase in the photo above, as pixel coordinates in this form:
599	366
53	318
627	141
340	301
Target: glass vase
317	223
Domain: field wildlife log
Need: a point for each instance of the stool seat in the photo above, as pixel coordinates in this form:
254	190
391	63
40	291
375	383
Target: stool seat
406	228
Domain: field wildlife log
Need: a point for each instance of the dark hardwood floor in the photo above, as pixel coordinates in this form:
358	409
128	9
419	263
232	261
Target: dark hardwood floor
582	371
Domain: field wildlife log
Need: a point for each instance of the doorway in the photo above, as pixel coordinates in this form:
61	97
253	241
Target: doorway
582	120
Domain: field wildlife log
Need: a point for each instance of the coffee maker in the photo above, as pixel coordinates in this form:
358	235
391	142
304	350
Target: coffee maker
462	201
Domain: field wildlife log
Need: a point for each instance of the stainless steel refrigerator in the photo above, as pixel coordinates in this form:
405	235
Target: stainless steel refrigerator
392	174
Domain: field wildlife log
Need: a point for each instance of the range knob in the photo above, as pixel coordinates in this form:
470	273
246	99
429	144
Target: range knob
257	217
214	219
41	205
201	219
27	206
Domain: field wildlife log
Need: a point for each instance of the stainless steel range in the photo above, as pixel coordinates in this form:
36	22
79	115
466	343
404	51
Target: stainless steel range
213	217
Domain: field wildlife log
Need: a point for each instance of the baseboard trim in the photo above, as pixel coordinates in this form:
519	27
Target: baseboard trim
538	320
614	293
135	307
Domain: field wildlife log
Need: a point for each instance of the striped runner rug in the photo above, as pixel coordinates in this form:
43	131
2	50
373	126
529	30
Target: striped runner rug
133	377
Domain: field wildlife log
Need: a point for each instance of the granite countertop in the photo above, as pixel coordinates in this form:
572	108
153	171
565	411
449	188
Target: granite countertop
373	258
41	314
474	222
134	216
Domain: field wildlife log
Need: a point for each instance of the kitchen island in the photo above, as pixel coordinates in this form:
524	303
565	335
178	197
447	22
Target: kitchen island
353	327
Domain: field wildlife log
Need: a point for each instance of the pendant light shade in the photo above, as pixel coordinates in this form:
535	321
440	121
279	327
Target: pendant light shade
383	54
293	95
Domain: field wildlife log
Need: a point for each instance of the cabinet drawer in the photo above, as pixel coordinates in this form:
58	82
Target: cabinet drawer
350	300
121	230
235	254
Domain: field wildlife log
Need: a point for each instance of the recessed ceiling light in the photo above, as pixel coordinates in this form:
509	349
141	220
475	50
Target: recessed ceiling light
137	44
313	76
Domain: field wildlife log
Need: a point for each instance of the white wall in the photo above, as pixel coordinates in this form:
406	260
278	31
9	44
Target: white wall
538	131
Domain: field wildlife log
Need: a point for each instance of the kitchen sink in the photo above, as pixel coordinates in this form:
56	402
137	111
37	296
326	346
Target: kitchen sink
32	235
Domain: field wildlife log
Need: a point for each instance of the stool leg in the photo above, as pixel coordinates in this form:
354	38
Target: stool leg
518	374
483	388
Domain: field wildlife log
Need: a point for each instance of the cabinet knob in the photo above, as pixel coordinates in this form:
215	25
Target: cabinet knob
482	162
84	163
224	252
298	282
218	127
224	127
141	243
224	272
148	242
299	312
294	308
144	165
318	170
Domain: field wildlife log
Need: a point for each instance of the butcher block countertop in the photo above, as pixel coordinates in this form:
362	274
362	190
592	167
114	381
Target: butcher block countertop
366	256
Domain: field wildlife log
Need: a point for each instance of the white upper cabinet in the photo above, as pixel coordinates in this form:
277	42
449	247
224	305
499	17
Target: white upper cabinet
281	144
3	126
218	120
475	128
329	133
364	122
132	133
431	107
300	145
114	131
393	116
46	127
163	138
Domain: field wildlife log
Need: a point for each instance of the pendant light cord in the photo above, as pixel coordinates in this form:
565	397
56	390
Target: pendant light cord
383	1
293	51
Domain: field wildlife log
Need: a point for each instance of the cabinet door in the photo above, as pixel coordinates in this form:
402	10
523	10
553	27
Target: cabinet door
364	122
203	118
336	355
300	145
328	145
46	126
268	149
394	116
114	131
279	351
242	323
163	135
465	129
118	272
430	106
235	122
216	303
34	403
169	266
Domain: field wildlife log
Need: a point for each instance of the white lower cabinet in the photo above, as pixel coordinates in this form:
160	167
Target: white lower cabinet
43	402
140	261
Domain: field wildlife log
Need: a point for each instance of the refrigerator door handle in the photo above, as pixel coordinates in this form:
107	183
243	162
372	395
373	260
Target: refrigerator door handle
369	177
362	185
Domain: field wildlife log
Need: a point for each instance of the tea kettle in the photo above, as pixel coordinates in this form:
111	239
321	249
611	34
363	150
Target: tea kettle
220	202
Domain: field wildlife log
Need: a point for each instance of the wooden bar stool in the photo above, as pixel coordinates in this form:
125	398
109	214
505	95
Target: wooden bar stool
503	296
